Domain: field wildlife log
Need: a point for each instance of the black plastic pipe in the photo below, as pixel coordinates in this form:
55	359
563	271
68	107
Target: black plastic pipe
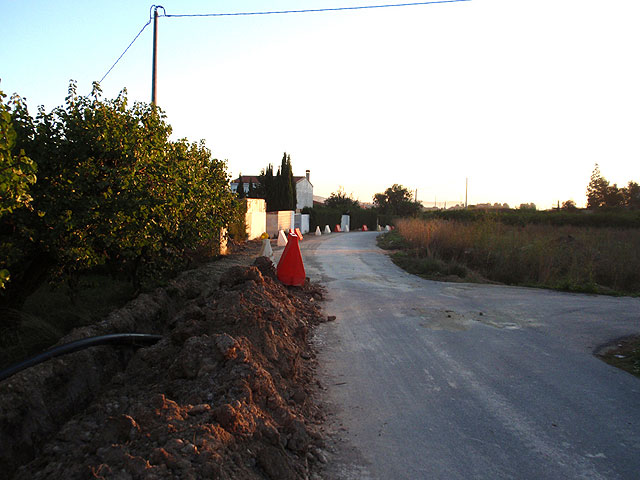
132	339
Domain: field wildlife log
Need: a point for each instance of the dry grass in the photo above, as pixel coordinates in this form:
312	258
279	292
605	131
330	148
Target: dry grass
603	260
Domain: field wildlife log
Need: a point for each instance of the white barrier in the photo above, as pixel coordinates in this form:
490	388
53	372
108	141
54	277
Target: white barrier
266	250
282	239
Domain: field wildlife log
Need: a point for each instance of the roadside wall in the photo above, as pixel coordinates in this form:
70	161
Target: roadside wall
282	220
256	217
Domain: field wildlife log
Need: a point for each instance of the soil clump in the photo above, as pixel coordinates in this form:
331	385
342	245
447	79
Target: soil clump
226	394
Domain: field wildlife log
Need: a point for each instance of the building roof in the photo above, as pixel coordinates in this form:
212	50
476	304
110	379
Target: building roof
247	179
255	179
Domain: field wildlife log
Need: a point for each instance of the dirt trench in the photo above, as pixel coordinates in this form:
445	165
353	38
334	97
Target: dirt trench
226	394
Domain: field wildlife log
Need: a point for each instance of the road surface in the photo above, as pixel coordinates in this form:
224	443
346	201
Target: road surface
432	380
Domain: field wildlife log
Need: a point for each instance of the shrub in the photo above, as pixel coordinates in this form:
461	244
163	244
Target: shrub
113	192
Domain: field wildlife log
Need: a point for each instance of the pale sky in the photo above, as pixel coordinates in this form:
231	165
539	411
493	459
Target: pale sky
522	97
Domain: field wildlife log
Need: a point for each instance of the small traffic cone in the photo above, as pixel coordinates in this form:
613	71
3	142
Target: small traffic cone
387	228
318	232
337	228
364	228
290	269
346	228
379	228
298	233
266	250
327	229
282	239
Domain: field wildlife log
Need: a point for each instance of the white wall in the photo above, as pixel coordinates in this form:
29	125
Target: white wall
282	220
256	218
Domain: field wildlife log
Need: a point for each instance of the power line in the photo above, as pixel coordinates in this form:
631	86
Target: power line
312	10
125	51
275	12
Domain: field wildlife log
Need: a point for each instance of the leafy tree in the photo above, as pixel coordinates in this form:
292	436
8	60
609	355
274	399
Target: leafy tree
341	201
613	197
631	195
17	172
597	189
527	206
569	205
396	200
113	191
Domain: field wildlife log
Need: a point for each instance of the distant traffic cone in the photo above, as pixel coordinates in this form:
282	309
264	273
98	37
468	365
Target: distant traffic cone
379	228
318	232
282	238
337	228
266	250
387	228
327	229
298	233
346	228
364	228
290	269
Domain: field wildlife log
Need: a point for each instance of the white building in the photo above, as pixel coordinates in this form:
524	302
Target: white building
304	188
304	191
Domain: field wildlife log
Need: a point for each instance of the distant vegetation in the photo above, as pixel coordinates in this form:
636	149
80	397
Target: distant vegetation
595	250
602	260
394	202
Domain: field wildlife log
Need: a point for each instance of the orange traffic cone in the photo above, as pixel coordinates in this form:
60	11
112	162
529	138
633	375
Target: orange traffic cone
290	270
337	228
364	228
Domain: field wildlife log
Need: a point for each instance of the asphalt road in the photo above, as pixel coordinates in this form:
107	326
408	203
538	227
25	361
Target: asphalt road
433	380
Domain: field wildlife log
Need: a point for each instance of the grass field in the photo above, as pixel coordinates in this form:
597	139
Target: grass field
582	259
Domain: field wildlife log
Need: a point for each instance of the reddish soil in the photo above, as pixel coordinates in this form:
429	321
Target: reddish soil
226	394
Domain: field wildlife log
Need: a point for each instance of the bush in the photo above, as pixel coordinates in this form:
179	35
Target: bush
113	192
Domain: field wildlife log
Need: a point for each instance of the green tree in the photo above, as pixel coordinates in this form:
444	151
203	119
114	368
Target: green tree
341	201
113	191
286	188
597	190
631	195
279	190
569	205
266	188
396	200
17	172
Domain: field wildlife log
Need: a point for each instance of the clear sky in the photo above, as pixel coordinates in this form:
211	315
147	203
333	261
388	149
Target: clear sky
523	97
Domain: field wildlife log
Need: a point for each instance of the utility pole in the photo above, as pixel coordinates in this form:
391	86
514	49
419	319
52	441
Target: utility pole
466	188
155	54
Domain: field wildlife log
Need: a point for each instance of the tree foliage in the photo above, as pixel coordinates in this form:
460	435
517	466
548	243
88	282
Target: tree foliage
113	190
17	172
279	191
396	200
602	194
341	201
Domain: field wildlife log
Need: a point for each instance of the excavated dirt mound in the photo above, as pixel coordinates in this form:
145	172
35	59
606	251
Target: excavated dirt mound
225	394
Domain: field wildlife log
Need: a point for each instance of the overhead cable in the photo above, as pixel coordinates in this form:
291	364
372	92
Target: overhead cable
312	10
274	12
